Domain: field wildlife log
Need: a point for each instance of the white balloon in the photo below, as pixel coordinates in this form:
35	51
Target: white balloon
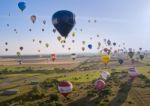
105	75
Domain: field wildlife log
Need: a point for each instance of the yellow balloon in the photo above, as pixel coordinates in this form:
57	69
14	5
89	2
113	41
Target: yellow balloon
105	58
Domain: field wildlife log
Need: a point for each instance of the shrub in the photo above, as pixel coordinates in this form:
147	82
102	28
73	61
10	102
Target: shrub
53	97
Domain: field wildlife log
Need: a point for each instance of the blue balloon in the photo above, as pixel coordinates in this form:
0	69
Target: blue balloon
63	21
90	46
22	5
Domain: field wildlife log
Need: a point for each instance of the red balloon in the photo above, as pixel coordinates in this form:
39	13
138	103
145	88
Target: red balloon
53	57
65	87
100	84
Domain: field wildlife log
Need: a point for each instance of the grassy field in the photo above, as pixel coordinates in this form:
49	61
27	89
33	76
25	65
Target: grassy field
117	92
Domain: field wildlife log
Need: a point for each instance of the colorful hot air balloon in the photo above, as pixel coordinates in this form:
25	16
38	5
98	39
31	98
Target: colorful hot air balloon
53	57
63	21
33	18
100	84
90	46
132	73
105	58
105	75
65	87
22	5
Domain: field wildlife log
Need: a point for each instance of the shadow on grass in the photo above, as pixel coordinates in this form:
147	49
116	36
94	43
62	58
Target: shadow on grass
122	94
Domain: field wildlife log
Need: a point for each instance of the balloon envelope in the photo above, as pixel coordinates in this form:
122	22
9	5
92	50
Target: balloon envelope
63	21
105	75
90	46
100	84
132	73
22	5
105	58
65	87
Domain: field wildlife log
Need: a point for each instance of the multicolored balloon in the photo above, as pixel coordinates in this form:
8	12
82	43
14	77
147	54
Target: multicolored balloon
65	87
33	18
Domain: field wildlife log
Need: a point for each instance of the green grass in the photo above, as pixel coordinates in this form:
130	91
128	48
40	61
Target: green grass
81	77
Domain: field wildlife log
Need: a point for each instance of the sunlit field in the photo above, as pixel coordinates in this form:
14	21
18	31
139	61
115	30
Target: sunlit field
47	76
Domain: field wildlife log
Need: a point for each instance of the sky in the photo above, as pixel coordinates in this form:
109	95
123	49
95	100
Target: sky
118	20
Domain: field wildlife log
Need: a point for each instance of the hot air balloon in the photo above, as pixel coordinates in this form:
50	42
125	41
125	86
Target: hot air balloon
18	54
6	43
6	49
73	56
42	29
98	36
54	30
21	48
47	45
53	57
83	48
73	41
83	42
33	40
40	41
132	73
100	84
105	75
90	46
22	5
69	48
131	54
105	58
108	42
140	49
89	21
44	22
39	51
63	46
114	43
73	34
63	21
105	50
65	87
33	18
59	38
120	61
95	21
7	25
30	29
